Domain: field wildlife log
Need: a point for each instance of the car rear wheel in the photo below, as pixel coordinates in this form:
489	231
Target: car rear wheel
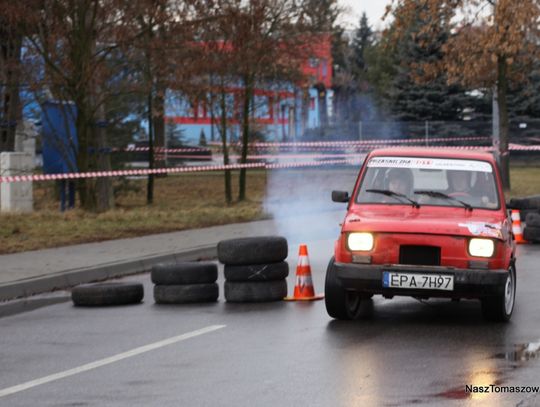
501	307
341	303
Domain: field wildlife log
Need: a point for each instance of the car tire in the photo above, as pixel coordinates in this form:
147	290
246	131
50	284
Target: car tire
260	291
501	307
104	294
184	273
186	294
257	272
531	233
253	250
344	304
533	219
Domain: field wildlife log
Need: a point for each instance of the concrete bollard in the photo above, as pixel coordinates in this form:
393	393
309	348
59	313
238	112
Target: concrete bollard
16	196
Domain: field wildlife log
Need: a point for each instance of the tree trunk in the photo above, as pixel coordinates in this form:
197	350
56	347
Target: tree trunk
105	195
150	186
502	89
159	122
248	91
11	112
223	133
80	56
86	158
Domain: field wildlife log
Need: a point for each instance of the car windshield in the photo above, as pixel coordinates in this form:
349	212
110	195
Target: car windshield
429	181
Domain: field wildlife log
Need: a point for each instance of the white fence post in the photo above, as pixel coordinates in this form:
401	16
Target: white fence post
16	196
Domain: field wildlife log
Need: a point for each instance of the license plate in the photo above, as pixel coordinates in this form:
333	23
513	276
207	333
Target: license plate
430	281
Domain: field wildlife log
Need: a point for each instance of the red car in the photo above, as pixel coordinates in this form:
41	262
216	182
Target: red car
424	223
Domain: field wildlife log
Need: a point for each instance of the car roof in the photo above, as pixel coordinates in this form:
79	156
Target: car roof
434	152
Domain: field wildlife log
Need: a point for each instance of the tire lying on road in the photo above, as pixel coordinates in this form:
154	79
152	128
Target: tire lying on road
533	219
532	234
104	294
185	294
260	291
184	273
253	250
257	272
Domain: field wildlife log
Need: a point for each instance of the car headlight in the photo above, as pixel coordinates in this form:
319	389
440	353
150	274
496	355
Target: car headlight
360	241
481	247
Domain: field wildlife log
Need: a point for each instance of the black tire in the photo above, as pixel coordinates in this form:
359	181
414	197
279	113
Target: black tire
523	213
528	202
257	272
496	308
260	291
184	273
533	219
185	294
253	250
344	304
531	234
103	294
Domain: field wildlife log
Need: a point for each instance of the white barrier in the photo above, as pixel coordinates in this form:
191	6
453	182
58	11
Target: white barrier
16	197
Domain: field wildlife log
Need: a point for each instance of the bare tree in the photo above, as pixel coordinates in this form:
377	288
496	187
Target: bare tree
268	39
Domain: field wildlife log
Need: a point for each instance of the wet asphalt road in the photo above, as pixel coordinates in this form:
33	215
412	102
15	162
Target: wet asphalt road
276	354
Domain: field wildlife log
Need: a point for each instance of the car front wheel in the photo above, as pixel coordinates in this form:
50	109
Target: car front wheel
501	307
340	303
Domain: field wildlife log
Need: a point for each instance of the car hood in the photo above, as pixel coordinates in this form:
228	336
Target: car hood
426	220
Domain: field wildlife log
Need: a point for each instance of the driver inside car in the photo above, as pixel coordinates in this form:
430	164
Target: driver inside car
400	181
459	183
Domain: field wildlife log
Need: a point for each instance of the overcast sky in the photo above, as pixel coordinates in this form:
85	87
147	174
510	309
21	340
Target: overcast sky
373	8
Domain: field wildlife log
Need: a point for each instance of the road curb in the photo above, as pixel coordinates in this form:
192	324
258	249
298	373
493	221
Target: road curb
69	278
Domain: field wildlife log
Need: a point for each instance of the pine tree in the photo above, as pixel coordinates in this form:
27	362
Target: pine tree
362	41
202	139
429	100
321	14
524	98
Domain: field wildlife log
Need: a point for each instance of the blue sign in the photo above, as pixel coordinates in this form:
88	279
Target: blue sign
60	143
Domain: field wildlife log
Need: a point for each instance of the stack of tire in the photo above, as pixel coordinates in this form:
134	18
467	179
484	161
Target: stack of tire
255	268
183	283
529	211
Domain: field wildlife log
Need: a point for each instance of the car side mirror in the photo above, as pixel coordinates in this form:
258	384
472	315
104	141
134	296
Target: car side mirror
340	196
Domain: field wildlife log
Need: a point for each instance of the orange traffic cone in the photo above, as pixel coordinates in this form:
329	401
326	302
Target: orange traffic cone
516	227
303	289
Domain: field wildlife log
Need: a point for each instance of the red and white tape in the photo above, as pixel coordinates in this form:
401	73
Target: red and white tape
306	144
163	150
359	142
202	168
350	158
311	156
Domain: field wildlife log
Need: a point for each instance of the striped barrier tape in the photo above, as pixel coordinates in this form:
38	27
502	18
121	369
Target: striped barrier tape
360	142
303	156
202	168
162	150
300	144
328	145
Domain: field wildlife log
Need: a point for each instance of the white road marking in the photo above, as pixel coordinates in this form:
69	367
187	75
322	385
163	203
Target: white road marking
112	359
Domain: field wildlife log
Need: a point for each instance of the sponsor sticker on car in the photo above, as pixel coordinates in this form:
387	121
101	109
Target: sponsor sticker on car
430	164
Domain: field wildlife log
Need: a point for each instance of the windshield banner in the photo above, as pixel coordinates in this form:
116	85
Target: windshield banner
430	163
